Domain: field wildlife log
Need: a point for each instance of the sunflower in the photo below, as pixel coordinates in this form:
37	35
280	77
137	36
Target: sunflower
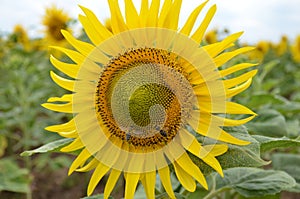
282	47
54	20
262	48
295	49
211	37
21	36
142	93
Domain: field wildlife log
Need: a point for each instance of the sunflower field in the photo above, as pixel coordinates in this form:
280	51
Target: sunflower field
140	106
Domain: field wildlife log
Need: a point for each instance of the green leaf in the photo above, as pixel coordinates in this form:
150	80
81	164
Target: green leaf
268	143
295	189
269	122
98	196
165	196
289	107
199	193
254	182
13	178
52	146
236	156
293	127
267	68
264	99
289	163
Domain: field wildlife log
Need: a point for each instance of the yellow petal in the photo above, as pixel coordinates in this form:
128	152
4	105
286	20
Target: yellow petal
62	108
98	26
83	47
163	13
184	178
113	146
80	160
117	22
235	68
234	91
235	108
224	57
132	180
209	127
74	55
216	48
153	13
232	108
148	182
198	35
90	70
89	166
144	12
62	82
189	24
111	182
69	69
217	133
69	126
64	98
186	164
132	17
164	174
98	174
212	151
231	122
195	148
171	20
216	149
75	145
90	30
229	83
69	134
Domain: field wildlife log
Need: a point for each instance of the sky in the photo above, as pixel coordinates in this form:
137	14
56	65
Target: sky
260	20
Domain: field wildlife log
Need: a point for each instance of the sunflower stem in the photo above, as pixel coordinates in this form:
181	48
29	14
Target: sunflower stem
214	193
24	126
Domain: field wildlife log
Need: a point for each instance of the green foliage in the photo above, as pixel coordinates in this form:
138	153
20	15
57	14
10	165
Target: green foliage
254	182
12	177
268	143
50	147
289	163
24	76
269	122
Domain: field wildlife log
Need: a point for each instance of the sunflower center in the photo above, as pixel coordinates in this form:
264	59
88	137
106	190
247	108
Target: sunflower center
150	100
55	29
143	97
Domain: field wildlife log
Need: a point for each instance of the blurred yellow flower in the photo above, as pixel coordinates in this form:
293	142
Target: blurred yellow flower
20	36
295	49
282	47
211	37
260	51
55	20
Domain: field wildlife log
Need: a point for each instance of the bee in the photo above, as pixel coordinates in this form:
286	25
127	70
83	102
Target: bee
163	133
128	136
